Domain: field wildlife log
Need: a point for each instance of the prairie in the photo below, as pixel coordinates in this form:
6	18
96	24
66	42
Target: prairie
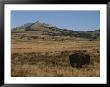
34	54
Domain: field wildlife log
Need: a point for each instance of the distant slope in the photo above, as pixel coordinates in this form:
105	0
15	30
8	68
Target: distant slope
47	29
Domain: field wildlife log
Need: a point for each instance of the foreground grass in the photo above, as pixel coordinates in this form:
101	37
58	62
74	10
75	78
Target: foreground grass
55	71
51	64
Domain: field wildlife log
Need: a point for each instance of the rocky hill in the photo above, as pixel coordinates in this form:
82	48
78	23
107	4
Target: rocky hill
48	29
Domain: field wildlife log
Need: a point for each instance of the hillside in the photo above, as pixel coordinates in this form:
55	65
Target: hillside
51	30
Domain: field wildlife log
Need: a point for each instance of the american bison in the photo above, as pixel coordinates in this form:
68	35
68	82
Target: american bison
79	59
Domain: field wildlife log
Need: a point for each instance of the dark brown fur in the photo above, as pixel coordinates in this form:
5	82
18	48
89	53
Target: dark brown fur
79	59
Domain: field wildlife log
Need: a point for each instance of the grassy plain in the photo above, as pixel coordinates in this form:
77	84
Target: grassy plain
34	55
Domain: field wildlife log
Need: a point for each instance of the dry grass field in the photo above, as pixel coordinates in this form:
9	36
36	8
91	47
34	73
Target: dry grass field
36	55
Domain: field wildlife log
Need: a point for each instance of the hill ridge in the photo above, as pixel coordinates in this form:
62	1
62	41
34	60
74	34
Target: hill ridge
49	29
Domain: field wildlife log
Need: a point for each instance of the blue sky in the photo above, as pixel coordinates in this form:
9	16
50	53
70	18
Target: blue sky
73	20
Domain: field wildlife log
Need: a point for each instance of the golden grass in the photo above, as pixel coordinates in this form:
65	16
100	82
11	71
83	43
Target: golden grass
42	58
42	71
42	46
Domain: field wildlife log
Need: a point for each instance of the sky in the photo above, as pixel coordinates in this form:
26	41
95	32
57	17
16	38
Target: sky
72	20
